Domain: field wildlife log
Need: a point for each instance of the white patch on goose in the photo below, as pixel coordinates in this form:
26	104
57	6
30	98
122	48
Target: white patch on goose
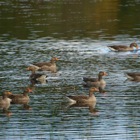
41	78
129	77
71	100
112	49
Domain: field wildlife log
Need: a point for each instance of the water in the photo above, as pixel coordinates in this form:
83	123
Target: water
77	32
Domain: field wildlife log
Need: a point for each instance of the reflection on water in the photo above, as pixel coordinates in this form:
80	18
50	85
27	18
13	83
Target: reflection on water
78	33
101	19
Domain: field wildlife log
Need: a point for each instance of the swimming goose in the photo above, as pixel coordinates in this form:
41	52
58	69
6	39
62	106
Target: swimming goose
48	66
133	76
52	61
118	48
96	82
82	98
20	98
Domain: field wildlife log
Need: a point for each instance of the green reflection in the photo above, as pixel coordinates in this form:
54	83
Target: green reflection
95	19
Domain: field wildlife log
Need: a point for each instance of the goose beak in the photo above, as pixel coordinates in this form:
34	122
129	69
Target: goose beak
29	90
105	74
57	59
96	89
28	68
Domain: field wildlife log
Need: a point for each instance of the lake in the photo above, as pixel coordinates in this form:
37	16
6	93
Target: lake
78	33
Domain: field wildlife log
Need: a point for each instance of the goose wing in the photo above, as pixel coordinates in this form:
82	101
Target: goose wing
118	47
42	64
89	79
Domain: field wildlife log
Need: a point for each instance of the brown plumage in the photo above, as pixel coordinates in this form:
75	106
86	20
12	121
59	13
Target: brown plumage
89	105
83	98
48	66
33	68
123	47
133	76
20	98
96	82
52	61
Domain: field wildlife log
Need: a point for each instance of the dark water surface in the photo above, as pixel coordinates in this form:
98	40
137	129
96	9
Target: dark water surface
77	32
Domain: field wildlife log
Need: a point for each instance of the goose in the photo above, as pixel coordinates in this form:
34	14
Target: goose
20	98
119	48
48	66
133	76
82	98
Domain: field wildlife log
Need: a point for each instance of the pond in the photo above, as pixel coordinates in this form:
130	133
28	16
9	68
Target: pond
78	33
